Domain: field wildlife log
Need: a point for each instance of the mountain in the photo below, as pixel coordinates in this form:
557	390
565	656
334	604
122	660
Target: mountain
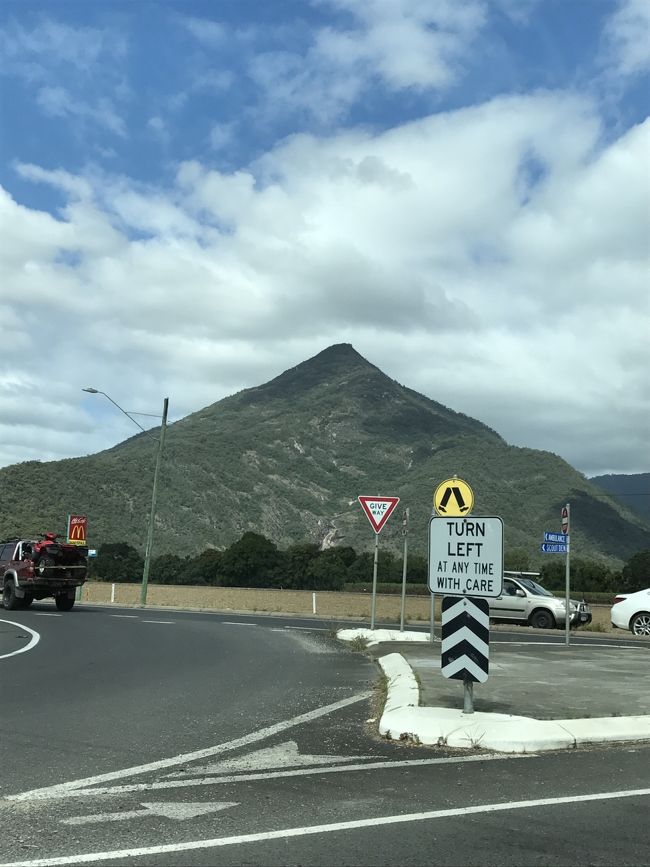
289	458
632	490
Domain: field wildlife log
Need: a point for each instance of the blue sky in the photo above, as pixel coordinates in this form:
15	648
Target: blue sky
199	195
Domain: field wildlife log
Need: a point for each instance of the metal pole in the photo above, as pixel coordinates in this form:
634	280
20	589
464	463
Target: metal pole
405	524
567	581
433	610
374	583
152	516
468	696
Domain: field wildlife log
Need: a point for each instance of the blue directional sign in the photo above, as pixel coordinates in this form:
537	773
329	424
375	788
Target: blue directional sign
558	538
553	549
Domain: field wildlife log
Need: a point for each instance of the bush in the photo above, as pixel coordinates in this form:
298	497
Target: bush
117	562
253	561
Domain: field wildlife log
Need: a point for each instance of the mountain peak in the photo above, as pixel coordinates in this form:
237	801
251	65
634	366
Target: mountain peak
334	363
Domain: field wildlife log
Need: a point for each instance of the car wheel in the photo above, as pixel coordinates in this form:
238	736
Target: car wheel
640	623
64	603
43	567
542	619
9	599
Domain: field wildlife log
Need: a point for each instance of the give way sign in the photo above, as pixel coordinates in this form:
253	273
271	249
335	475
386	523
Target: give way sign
378	510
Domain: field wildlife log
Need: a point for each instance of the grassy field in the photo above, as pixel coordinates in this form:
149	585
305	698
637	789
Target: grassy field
332	605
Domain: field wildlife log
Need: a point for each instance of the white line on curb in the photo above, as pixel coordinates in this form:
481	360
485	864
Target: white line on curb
507	733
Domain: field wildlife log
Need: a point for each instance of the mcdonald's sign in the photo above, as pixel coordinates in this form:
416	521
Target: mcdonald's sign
77	526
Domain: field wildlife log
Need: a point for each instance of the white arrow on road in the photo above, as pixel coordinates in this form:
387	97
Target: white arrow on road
280	756
168	809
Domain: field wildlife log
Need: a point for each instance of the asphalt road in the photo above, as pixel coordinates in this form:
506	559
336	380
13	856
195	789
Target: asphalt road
168	738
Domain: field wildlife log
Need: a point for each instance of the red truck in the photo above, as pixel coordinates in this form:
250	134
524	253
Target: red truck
39	568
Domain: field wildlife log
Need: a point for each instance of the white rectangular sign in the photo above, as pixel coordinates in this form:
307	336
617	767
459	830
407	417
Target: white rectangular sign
466	556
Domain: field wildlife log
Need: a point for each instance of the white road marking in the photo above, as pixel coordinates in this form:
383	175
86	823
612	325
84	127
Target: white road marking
46	614
308	628
333	827
280	756
63	789
158	621
276	775
236	623
129	616
168	809
33	642
560	644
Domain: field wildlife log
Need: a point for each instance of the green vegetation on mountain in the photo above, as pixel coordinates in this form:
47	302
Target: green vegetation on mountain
633	490
288	459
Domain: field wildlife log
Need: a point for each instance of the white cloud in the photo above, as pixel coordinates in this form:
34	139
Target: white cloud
494	258
409	43
212	34
52	41
75	71
401	44
58	102
628	37
222	135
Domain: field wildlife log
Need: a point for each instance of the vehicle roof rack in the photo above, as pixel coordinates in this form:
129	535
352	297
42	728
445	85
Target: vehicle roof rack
518	572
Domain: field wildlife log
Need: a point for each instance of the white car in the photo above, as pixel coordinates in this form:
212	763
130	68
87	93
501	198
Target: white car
632	611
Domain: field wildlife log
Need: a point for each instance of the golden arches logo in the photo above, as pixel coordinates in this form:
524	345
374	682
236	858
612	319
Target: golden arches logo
77	529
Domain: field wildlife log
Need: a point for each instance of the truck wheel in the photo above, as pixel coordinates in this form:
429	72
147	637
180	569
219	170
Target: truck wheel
64	603
43	567
542	619
9	599
27	600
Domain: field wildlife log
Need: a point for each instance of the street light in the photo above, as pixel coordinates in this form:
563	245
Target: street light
161	440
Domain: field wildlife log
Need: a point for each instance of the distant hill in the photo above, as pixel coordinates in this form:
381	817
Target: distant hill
289	458
633	490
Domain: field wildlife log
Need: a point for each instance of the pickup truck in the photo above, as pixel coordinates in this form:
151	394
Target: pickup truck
40	568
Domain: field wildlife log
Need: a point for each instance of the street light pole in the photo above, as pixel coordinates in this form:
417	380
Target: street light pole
152	516
154	493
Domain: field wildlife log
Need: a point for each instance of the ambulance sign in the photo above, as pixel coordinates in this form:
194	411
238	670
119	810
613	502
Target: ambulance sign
378	510
466	556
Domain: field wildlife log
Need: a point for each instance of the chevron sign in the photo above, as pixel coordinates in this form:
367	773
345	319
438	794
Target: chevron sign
465	638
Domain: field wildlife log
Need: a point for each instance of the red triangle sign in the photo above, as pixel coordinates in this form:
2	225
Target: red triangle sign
378	510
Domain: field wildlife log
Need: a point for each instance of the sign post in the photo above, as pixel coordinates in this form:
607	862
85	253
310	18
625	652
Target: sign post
565	516
378	510
405	525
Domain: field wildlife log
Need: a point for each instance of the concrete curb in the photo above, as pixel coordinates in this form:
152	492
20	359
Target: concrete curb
403	719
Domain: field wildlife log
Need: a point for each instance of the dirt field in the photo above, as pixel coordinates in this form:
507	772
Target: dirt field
329	605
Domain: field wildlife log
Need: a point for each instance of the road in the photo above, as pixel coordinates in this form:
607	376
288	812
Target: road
149	737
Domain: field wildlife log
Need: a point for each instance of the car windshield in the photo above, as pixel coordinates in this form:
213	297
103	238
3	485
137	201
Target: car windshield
534	587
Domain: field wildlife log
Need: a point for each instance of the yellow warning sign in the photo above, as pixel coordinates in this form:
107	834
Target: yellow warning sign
454	498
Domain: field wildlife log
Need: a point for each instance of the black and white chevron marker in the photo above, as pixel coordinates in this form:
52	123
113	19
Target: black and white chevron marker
465	638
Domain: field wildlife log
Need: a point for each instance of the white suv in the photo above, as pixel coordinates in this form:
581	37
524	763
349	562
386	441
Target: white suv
523	600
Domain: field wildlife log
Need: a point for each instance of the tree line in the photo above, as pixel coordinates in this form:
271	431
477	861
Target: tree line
255	561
